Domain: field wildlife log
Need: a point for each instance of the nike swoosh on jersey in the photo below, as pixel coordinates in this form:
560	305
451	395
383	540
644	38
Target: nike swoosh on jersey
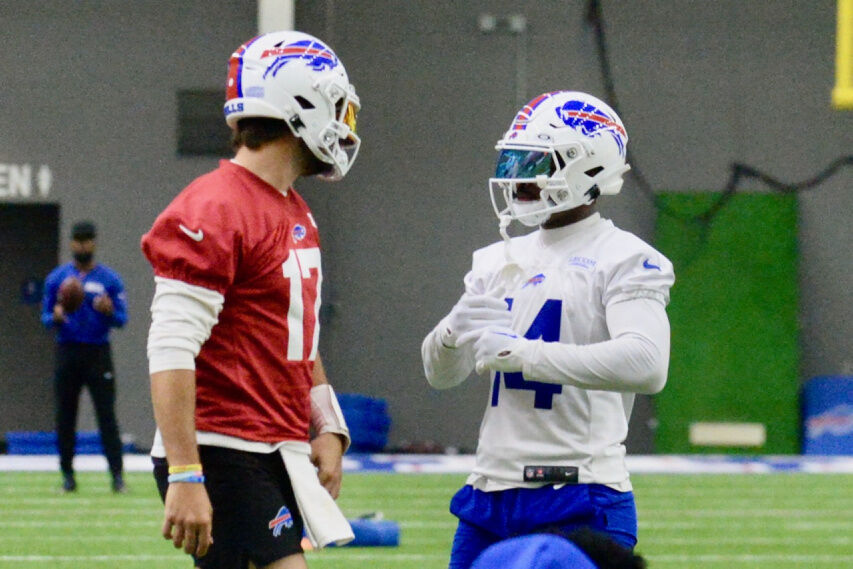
194	235
648	265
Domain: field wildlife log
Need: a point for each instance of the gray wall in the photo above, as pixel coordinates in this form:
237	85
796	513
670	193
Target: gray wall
89	88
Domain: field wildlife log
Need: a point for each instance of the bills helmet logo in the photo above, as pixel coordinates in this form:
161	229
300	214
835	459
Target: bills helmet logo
313	53
592	121
283	519
299	232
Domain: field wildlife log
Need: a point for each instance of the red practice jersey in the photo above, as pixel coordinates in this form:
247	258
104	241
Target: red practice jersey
231	232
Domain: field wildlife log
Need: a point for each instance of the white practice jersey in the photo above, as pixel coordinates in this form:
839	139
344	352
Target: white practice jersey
571	275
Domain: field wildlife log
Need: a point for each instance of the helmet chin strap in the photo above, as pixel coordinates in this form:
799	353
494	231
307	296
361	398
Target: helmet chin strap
511	273
504	221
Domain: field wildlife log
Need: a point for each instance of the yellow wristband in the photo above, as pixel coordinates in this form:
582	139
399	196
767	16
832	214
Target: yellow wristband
184	468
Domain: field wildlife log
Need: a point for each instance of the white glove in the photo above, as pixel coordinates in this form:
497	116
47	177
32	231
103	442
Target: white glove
472	314
498	349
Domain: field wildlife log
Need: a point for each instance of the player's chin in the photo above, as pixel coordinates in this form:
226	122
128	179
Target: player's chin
314	167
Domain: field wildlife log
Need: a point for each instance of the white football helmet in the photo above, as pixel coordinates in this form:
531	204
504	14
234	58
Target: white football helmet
569	144
297	78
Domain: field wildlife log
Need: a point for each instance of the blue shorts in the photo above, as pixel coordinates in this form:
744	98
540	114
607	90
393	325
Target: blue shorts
488	517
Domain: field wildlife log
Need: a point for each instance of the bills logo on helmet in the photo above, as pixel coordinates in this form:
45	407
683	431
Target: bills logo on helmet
283	519
592	121
299	232
315	55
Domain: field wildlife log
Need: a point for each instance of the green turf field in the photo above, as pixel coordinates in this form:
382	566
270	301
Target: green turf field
778	521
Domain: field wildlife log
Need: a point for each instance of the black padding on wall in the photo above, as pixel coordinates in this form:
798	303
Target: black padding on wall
201	127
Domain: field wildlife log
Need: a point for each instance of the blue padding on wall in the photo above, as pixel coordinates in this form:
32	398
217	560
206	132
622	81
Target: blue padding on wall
368	420
44	442
828	415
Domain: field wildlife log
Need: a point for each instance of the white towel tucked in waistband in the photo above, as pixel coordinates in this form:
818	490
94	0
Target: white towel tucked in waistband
324	522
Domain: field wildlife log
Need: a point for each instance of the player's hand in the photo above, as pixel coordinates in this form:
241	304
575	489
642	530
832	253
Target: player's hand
495	349
472	314
327	451
59	314
103	304
188	518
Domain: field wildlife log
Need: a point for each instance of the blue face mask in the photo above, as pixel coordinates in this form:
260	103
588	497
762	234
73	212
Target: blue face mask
84	258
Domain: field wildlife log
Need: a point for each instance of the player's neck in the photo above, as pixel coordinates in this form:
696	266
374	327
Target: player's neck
569	217
273	163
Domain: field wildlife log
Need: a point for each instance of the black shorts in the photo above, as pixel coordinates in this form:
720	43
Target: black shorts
255	516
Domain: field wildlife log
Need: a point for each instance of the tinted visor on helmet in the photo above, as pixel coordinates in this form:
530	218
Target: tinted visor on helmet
523	164
349	115
347	111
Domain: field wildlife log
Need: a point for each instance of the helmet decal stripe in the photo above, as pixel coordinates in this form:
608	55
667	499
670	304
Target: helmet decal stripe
523	115
234	86
520	122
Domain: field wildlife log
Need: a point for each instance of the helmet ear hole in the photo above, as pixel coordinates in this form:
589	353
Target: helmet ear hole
593	171
296	123
593	192
303	102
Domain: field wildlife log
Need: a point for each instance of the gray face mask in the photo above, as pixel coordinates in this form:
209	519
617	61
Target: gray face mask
84	258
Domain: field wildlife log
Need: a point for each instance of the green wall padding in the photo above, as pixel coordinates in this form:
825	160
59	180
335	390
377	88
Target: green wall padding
733	312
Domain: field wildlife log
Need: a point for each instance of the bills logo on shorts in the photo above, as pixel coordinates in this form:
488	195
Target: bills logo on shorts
315	55
283	519
299	232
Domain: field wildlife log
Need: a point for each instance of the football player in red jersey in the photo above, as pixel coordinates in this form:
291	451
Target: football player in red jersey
237	384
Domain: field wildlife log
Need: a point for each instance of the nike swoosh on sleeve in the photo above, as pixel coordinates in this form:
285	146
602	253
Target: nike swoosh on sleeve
194	235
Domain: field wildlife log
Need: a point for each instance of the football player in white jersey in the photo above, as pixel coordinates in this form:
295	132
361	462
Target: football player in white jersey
570	323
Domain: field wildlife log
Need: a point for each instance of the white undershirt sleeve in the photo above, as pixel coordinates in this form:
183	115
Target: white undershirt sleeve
182	316
635	359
